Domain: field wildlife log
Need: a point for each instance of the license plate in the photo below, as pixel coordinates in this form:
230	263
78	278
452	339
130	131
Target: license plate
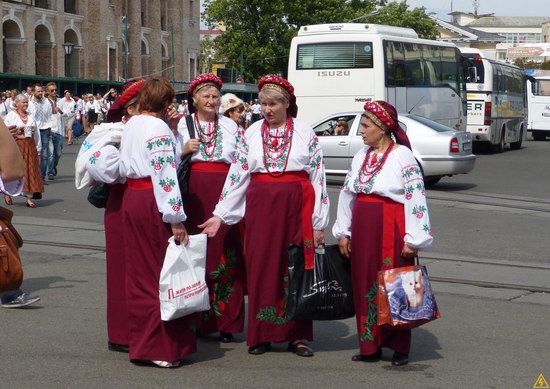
546	114
466	146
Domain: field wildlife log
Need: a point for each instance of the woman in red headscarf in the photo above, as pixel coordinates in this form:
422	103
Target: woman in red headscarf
213	148
104	168
382	210
277	182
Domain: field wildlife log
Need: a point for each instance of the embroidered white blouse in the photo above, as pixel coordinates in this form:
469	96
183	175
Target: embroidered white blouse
14	119
225	146
400	179
305	155
147	149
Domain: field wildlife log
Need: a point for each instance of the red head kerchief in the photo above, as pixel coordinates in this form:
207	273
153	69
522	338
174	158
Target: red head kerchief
128	97
284	87
199	82
384	115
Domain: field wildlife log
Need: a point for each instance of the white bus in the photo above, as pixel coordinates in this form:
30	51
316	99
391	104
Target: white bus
496	100
338	67
538	107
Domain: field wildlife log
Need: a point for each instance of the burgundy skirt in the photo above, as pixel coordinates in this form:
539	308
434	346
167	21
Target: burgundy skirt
117	313
377	231
33	177
273	222
225	272
145	242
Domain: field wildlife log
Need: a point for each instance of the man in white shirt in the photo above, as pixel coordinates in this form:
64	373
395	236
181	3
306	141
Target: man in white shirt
41	110
256	111
68	106
57	129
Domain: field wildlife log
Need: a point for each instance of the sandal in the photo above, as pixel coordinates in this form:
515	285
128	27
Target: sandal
8	200
166	364
300	348
31	204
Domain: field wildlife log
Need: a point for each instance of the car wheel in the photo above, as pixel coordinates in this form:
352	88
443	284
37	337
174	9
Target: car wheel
517	145
431	181
499	148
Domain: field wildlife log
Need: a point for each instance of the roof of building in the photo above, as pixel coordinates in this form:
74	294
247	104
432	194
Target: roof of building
470	34
509	21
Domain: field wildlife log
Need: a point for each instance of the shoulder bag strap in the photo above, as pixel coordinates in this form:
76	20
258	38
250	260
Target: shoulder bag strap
190	125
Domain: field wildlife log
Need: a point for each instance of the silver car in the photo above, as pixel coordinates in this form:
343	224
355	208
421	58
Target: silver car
439	150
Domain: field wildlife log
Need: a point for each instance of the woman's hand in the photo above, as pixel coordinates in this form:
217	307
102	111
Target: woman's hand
344	244
409	253
191	146
211	226
318	237
173	118
180	233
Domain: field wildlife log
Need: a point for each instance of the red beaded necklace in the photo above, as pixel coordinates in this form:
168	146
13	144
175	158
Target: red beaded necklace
24	118
277	145
207	137
370	168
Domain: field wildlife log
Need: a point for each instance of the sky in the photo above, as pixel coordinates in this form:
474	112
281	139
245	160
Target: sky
498	7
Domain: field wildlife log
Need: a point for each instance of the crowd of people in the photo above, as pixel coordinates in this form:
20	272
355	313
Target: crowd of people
256	185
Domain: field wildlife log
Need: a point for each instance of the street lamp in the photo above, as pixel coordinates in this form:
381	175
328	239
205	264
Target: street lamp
68	47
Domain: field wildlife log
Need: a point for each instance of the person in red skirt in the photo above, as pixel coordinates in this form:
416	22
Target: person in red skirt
152	212
213	148
277	183
382	214
28	140
103	167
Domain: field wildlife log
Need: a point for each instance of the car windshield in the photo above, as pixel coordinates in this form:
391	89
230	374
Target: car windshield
430	123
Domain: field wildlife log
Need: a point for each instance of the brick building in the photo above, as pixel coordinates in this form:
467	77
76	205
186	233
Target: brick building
86	39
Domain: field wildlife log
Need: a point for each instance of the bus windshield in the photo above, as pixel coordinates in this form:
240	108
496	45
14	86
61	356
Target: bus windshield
473	70
337	55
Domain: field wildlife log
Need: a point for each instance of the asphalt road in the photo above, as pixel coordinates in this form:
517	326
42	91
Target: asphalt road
490	230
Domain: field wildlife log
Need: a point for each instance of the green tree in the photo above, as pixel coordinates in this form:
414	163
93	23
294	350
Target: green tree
261	30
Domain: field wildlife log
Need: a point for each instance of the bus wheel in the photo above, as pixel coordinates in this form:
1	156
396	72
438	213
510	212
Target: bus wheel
538	135
499	148
517	145
431	181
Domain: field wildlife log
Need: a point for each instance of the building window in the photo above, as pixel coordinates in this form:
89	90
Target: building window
163	15
70	6
41	4
144	13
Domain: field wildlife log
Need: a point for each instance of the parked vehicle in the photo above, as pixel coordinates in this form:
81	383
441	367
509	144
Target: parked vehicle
344	65
538	103
497	111
440	151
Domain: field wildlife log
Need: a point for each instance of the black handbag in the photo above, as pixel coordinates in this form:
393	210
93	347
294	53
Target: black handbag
98	195
184	166
323	293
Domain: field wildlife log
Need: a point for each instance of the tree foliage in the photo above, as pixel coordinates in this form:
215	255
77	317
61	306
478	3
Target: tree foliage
261	30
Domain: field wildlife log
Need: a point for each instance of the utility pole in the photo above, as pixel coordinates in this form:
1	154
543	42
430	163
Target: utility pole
476	6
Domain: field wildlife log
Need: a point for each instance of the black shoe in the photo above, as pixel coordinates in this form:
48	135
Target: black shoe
301	349
36	196
368	358
51	178
260	348
226	337
121	348
399	359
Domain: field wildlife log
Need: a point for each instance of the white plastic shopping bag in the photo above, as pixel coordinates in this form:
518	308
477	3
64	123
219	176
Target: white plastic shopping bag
182	286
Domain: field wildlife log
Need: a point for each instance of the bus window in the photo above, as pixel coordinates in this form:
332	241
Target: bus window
399	63
389	64
338	55
414	75
449	69
541	88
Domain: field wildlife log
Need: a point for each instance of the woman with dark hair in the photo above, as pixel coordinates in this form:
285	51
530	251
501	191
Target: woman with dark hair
103	167
152	212
381	210
212	150
277	183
